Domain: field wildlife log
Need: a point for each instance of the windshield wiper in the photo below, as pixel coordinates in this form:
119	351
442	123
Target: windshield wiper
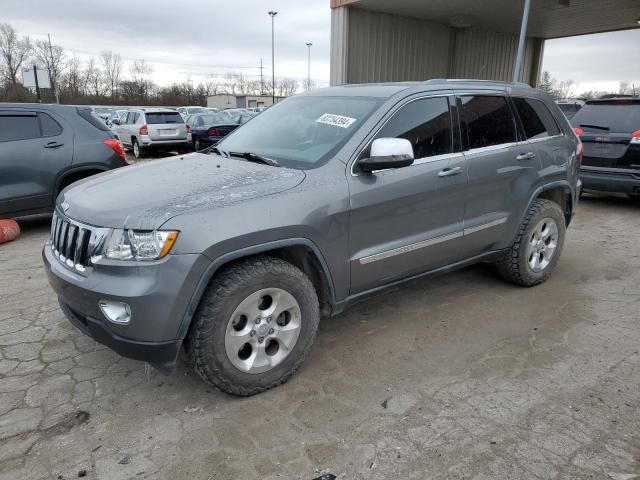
214	149
254	157
597	127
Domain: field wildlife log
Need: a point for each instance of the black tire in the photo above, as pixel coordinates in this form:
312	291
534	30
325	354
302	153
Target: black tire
137	149
514	266
205	343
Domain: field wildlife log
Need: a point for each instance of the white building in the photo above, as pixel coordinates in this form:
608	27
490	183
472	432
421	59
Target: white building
223	101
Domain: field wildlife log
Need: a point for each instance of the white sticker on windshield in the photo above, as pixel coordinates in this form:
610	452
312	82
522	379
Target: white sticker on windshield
336	120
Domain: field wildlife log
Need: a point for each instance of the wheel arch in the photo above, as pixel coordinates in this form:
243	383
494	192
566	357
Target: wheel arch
560	193
301	252
74	174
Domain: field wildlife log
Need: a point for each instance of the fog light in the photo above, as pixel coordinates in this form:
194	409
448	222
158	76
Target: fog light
116	312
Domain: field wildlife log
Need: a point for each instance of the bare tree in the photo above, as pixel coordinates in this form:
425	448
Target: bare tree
308	84
112	64
94	78
14	52
564	89
53	58
139	70
72	82
286	87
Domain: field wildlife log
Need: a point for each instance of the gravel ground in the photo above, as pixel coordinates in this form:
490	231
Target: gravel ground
462	376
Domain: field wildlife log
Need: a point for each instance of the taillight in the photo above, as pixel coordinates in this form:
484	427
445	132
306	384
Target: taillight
635	137
578	131
144	130
115	145
188	128
214	132
579	153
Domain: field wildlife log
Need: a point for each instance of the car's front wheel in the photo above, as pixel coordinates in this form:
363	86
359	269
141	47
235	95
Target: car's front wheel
254	326
536	250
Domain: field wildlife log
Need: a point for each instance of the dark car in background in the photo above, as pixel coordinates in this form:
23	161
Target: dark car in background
610	132
570	107
208	129
45	148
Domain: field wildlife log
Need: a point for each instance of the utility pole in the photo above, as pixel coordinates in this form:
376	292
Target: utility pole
261	78
55	87
309	66
35	77
273	14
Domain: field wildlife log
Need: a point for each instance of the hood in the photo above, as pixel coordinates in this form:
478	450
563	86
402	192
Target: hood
146	195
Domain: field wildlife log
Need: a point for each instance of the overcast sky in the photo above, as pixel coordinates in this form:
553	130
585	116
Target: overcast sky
195	39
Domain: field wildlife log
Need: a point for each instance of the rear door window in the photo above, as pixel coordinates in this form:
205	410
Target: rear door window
50	128
488	120
156	118
537	120
426	123
615	117
18	126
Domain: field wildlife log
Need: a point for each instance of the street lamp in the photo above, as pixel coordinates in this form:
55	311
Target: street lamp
309	66
273	14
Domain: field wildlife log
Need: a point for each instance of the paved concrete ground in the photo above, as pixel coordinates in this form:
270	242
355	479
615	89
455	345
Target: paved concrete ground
462	376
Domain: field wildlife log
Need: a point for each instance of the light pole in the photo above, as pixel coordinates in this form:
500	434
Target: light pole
273	14
309	66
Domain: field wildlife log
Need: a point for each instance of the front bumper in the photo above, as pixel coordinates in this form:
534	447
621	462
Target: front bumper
158	294
610	180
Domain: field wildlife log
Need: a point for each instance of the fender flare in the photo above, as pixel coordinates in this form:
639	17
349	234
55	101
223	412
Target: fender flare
545	187
246	252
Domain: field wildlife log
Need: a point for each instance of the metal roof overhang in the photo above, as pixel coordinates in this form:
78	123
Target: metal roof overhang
549	18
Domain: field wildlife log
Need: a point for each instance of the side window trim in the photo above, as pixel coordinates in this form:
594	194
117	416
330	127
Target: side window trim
390	114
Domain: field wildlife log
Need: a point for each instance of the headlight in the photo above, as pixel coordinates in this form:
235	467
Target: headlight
137	245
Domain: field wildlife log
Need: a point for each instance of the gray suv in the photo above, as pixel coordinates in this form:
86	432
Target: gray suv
156	129
45	148
234	254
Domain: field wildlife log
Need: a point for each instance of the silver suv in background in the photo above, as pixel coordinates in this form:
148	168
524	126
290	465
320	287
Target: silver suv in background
145	129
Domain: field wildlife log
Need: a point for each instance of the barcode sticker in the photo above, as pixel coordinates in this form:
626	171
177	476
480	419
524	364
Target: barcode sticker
336	120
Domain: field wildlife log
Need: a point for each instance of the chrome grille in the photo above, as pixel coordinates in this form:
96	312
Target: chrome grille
72	242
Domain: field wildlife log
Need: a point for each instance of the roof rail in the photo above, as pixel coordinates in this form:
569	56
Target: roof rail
439	81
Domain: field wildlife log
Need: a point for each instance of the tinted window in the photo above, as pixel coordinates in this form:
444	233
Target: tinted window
50	128
163	117
426	124
536	119
18	127
90	116
488	121
614	117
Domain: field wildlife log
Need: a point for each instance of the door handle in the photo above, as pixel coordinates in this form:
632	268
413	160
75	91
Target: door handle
526	156
53	145
449	172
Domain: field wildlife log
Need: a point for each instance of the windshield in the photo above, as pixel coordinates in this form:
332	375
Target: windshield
620	118
302	132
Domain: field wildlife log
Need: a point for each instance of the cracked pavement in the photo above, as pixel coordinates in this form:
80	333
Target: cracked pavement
459	376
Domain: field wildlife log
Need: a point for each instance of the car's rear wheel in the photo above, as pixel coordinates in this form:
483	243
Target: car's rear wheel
536	250
137	151
254	326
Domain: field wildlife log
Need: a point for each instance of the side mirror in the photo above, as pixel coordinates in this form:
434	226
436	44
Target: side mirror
387	153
